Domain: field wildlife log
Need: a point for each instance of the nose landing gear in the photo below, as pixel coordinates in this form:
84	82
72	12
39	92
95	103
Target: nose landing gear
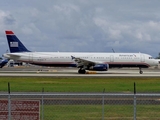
140	71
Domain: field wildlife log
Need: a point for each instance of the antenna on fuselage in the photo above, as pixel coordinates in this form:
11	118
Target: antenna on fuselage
113	50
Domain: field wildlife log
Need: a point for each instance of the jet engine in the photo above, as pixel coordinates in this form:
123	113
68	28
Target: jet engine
100	67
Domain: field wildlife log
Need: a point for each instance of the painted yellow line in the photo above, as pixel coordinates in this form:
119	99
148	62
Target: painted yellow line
91	72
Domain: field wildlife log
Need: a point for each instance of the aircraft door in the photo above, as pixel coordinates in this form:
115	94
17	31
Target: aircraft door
111	58
142	58
30	58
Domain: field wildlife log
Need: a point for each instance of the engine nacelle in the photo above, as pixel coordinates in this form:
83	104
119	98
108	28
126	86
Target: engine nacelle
100	67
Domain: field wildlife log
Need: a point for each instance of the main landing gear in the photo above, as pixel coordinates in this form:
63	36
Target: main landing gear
82	71
140	71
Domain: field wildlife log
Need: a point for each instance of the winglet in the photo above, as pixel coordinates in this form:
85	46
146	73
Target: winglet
72	57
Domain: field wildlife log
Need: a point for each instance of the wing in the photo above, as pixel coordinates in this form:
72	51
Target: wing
83	62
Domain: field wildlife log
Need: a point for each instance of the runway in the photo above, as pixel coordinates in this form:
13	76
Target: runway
72	72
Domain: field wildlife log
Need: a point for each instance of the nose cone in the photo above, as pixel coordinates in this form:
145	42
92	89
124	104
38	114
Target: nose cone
156	62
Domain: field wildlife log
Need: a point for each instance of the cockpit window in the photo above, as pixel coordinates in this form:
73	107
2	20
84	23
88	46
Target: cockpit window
150	57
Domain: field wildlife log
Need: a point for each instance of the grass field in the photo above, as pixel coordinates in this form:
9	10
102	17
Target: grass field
80	84
94	112
88	84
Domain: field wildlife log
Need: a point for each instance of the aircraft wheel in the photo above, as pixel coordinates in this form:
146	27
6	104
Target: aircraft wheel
80	71
141	72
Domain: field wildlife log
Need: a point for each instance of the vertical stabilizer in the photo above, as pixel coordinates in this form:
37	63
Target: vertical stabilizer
3	62
14	43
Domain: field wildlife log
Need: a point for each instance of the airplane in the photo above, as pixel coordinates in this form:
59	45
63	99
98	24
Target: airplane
3	62
82	60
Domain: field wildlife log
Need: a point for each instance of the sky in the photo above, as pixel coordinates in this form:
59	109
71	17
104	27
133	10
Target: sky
83	25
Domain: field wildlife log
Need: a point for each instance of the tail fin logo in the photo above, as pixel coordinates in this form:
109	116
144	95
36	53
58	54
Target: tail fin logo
13	44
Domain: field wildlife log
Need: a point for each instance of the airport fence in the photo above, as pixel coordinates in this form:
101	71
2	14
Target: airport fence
79	106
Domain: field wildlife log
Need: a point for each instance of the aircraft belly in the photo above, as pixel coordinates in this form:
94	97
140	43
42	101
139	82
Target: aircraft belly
142	65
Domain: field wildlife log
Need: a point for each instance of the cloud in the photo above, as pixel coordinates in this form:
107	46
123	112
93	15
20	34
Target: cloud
6	19
60	25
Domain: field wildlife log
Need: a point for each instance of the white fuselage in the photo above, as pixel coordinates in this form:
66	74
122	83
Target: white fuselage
65	59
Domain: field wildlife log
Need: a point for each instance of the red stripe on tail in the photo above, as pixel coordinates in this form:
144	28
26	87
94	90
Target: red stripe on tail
9	33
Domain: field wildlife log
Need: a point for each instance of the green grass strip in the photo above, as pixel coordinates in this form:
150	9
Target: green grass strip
94	112
80	84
